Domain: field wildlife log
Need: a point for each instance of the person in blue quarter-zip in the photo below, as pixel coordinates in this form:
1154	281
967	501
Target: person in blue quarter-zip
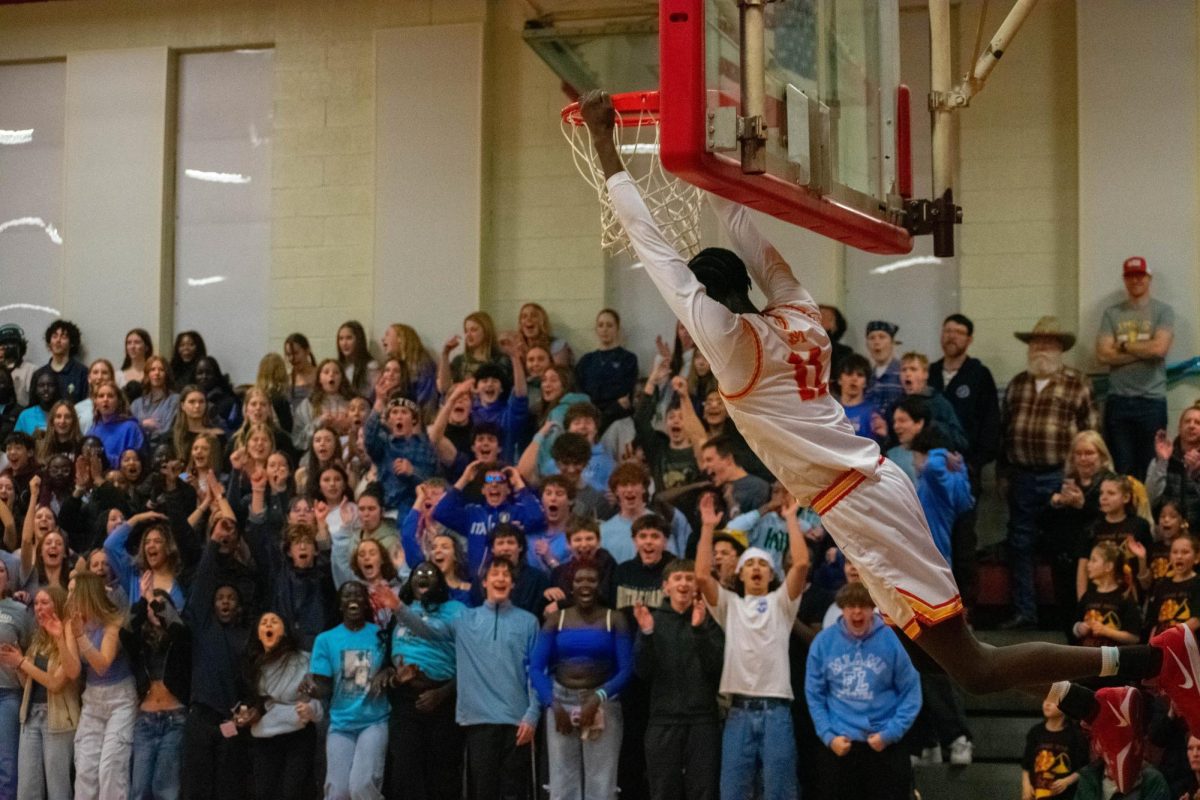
496	705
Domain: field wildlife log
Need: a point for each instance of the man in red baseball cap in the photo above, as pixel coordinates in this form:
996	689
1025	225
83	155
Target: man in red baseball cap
1134	338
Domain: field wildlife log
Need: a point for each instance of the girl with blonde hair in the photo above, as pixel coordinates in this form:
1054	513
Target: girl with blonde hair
50	707
418	370
104	738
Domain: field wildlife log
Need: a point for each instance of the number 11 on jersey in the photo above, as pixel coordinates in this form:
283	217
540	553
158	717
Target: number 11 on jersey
808	370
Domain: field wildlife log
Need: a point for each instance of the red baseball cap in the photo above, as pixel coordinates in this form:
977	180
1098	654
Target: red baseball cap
1136	265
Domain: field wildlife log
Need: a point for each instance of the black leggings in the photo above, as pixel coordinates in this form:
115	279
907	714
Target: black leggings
424	750
283	764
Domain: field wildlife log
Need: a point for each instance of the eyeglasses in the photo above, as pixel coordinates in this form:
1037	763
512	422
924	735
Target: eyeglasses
495	477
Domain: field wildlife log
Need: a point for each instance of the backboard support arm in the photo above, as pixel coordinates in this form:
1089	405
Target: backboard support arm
939	215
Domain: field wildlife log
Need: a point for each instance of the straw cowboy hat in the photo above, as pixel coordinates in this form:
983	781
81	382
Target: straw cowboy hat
1048	326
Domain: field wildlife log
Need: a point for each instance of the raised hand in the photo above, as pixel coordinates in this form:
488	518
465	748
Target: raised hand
708	511
664	350
1162	446
680	385
402	466
645	619
451	344
699	612
237	459
598	114
258	480
52	625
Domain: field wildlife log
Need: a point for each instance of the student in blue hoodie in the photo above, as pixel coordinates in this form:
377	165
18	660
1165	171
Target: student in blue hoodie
943	486
863	694
402	453
510	414
505	499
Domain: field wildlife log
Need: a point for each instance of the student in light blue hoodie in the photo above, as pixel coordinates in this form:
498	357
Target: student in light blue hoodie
863	694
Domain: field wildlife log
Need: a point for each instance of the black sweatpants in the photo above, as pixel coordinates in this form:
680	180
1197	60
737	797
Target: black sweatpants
283	764
424	750
214	767
683	761
863	774
496	767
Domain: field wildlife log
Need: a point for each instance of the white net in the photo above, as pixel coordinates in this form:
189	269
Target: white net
674	204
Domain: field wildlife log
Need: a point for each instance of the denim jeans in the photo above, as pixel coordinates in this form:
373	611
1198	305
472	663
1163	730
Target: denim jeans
104	741
759	737
355	763
1028	496
579	769
10	734
1129	427
45	763
157	754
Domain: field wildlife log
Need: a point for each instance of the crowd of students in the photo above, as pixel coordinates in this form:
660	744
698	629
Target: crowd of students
484	572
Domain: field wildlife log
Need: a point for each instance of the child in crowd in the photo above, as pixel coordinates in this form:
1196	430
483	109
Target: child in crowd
1055	751
1119	524
1107	614
1175	600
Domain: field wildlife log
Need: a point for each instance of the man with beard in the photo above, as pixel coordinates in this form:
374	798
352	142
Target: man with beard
971	390
1044	407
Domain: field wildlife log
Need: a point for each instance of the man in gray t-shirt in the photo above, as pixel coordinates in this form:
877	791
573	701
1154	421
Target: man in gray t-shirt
1133	341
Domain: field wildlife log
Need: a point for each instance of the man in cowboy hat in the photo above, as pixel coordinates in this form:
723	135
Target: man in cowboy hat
1133	341
1044	407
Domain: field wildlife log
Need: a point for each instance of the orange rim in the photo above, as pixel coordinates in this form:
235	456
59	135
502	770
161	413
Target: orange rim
634	109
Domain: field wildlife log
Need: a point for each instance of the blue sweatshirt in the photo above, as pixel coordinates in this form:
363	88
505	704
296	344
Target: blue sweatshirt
399	491
511	417
856	687
476	520
492	647
945	494
118	435
127	575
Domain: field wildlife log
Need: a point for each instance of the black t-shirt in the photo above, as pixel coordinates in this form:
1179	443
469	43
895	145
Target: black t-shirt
1052	755
1113	608
1119	532
1171	603
1104	531
1159	556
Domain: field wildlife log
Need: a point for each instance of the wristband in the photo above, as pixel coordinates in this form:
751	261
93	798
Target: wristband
603	695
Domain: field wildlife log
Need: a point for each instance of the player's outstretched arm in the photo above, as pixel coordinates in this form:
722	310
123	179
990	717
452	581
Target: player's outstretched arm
766	266
597	110
716	329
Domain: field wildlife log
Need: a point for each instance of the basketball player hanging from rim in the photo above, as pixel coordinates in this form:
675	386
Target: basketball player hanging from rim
773	366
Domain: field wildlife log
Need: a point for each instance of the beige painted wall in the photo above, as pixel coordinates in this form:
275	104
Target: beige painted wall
1018	183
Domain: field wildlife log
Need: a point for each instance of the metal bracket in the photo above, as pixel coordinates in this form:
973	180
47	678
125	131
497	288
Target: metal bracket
721	132
948	101
923	217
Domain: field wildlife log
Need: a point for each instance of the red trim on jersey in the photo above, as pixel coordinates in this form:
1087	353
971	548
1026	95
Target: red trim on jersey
758	364
842	485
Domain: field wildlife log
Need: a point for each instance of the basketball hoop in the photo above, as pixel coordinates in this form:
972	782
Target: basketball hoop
674	204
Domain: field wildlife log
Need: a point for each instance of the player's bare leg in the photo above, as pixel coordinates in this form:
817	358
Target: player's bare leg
981	668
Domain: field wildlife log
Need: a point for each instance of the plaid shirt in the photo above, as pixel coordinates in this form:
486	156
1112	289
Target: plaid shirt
1039	426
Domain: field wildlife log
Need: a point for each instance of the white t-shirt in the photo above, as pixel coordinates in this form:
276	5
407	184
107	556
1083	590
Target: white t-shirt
757	632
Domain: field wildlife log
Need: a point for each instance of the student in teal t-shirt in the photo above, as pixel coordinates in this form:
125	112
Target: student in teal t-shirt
345	662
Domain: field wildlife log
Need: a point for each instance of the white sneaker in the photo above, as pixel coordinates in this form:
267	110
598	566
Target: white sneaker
931	755
961	751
